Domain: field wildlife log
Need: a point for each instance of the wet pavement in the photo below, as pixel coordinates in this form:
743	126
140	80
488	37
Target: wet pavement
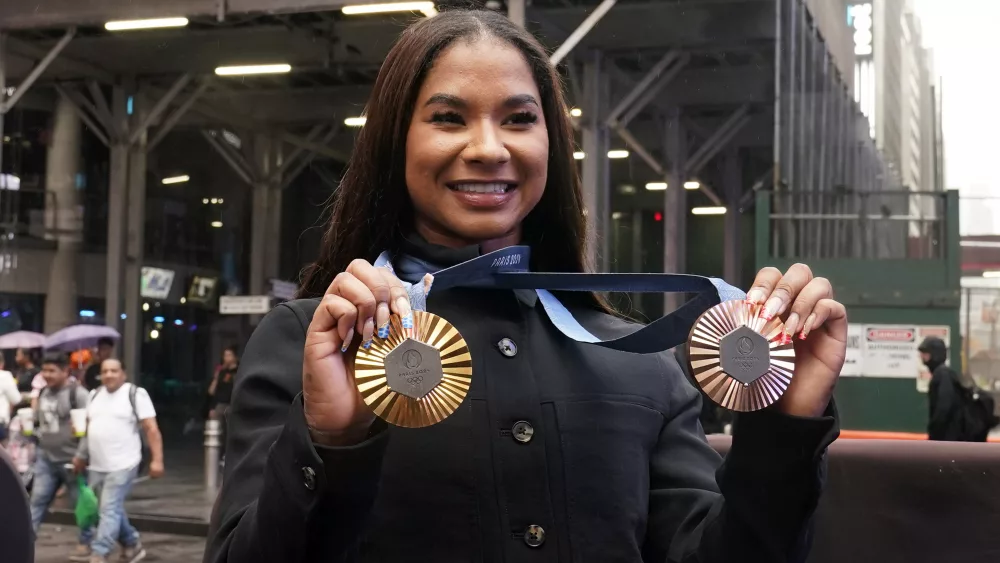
55	543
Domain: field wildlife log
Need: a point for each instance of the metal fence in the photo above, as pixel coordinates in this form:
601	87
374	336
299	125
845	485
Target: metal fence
865	225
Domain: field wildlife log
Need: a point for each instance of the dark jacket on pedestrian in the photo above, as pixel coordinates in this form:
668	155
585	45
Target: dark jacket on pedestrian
617	467
943	394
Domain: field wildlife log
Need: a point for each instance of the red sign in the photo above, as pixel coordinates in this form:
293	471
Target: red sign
891	334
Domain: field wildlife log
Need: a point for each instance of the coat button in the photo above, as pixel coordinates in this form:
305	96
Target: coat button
507	347
534	536
522	431
309	478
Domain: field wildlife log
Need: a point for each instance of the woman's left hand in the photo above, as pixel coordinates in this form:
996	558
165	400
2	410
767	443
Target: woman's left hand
818	326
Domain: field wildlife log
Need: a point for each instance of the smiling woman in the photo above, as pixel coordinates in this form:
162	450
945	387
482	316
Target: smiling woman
543	446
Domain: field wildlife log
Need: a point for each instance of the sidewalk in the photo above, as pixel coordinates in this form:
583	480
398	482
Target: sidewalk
174	504
55	543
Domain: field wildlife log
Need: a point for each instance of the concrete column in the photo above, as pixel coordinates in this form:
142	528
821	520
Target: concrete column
265	236
135	245
117	201
515	11
62	216
733	192
596	178
675	206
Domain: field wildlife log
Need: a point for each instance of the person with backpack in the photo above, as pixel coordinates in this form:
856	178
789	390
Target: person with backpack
113	454
957	413
57	442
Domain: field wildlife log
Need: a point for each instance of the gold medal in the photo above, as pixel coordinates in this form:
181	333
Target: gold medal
740	360
416	376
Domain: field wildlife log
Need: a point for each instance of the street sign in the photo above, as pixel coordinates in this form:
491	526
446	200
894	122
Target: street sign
244	304
156	282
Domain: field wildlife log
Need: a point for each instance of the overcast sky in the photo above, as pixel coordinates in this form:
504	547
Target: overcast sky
964	36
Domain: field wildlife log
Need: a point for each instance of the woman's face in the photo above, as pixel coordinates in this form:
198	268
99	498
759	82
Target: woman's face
477	148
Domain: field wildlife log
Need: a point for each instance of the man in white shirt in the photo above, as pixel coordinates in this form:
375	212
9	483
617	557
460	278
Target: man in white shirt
115	414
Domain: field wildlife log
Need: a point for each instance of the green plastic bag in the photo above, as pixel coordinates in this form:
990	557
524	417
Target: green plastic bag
87	511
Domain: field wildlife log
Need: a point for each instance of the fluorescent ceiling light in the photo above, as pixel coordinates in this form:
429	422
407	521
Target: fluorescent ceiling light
691	185
656	186
355	121
708	211
576	112
126	25
618	154
252	69
176	179
578	155
427	8
216	224
991	274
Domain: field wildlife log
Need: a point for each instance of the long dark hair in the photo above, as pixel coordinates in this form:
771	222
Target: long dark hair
371	210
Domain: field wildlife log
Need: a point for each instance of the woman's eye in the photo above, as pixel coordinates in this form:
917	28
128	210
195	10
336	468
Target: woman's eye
523	118
447	117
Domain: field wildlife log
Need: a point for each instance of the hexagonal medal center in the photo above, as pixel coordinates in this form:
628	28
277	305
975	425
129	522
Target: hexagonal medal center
413	369
745	355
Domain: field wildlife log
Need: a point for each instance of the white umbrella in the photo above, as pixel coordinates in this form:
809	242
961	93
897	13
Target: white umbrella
22	339
75	337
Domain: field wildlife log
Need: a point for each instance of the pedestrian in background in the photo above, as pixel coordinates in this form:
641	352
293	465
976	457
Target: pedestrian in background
9	399
58	441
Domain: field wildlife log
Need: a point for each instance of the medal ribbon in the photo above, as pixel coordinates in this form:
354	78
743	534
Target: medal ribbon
507	268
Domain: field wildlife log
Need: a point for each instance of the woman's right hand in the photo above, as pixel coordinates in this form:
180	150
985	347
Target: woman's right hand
359	300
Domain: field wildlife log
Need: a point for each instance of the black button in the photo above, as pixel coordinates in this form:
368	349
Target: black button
309	478
507	347
522	431
534	536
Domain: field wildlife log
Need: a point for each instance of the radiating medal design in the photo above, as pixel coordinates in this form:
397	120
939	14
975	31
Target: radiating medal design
742	361
416	376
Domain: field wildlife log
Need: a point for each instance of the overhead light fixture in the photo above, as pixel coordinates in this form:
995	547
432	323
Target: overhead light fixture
617	215
253	69
578	155
691	185
183	300
356	121
215	200
426	8
991	274
176	179
127	25
656	186
87	313
616	154
204	200
154	334
576	112
217	224
708	211
145	306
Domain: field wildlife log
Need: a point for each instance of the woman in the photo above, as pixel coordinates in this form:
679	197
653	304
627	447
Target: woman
467	149
9	398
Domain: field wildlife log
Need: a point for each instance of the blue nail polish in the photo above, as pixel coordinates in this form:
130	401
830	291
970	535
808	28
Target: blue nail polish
344	348
383	331
407	321
367	344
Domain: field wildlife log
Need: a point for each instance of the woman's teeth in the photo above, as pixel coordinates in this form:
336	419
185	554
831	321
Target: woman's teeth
481	188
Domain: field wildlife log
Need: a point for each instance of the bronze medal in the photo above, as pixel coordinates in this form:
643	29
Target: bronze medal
740	360
417	376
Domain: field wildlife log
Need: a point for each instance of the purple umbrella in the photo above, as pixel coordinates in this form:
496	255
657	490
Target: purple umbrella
22	339
75	337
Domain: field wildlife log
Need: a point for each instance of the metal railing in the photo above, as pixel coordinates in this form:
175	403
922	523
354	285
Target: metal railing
864	225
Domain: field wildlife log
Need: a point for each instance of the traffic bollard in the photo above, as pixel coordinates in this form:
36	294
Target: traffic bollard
213	432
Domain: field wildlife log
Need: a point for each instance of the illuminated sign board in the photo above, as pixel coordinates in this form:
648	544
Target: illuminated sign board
859	17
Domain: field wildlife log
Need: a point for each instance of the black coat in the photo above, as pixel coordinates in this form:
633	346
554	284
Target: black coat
617	467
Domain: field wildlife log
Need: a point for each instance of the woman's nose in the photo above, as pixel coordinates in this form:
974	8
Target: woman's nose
486	146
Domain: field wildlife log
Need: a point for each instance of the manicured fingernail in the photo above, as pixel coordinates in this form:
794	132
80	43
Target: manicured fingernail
755	296
388	266
403	307
428	282
367	333
407	321
771	308
347	340
791	324
786	338
807	326
382	314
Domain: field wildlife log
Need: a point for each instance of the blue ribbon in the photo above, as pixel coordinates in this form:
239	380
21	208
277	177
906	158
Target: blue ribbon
507	268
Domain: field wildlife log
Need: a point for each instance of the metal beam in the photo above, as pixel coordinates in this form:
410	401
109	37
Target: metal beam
101	103
654	91
314	147
286	177
632	97
289	161
160	107
637	147
94	128
177	114
714	144
86	69
580	32
239	168
43	64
